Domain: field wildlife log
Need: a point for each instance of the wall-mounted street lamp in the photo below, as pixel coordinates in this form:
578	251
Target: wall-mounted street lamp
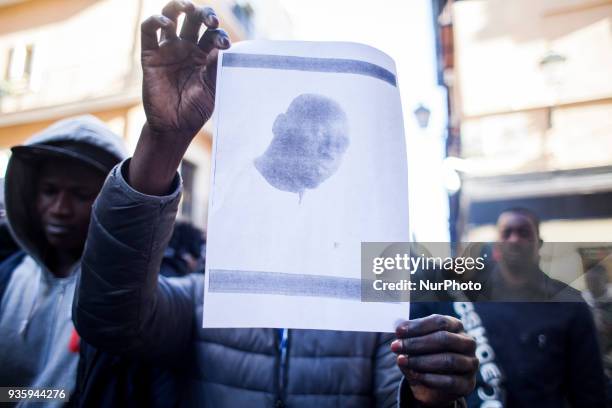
422	115
552	65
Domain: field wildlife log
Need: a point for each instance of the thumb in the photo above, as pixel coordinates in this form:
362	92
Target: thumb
210	70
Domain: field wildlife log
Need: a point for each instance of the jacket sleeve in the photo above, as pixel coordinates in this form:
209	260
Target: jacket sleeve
121	304
584	371
387	376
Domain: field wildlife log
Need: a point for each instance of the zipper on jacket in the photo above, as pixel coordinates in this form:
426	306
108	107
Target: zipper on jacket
282	367
56	317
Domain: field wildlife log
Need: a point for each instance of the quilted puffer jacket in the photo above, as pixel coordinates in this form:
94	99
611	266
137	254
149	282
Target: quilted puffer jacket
123	306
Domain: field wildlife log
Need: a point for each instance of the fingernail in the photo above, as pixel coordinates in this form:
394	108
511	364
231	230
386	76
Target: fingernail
212	19
396	346
402	360
164	19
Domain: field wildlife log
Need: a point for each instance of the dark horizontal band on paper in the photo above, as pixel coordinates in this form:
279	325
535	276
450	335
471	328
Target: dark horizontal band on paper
331	65
288	284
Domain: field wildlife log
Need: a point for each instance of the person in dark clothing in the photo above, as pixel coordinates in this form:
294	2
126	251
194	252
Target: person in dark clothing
541	353
123	306
186	251
8	246
599	298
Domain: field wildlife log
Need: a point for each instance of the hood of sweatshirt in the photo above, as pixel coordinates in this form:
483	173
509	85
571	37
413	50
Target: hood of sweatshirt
82	138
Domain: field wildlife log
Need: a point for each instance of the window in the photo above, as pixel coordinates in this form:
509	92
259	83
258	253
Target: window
5	155
188	171
20	64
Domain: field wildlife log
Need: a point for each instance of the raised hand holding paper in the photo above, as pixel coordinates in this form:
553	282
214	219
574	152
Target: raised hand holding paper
309	160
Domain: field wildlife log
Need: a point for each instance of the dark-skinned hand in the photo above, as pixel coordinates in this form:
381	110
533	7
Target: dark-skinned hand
178	90
179	72
437	359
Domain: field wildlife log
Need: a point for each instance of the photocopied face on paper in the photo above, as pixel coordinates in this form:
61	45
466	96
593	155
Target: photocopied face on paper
309	141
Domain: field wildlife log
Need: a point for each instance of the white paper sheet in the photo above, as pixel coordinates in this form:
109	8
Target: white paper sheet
309	160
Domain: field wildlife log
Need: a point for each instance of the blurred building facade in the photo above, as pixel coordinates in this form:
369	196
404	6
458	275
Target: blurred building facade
530	103
60	58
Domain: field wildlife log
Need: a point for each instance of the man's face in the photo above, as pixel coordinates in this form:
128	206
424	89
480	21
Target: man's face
315	147
66	191
518	241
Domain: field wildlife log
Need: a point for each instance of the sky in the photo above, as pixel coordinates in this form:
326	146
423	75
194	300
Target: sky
404	30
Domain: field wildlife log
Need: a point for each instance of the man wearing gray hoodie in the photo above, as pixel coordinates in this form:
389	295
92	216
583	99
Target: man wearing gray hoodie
51	183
